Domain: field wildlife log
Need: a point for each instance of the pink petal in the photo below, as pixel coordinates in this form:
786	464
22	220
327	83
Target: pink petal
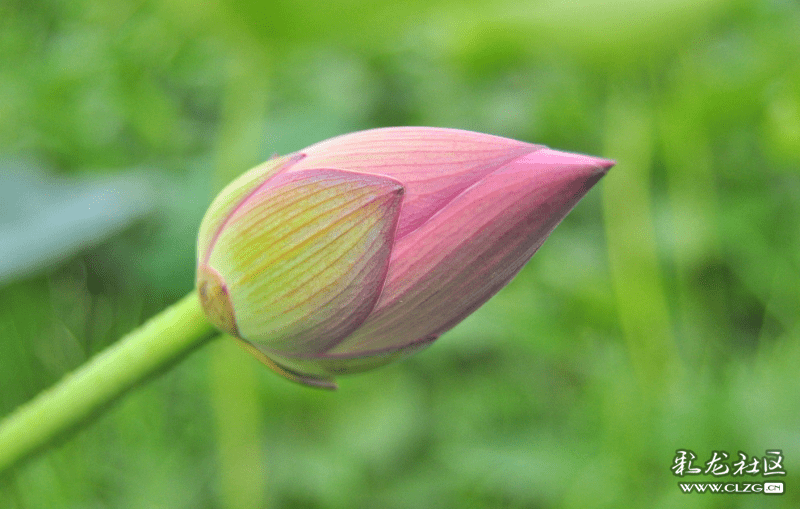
473	247
434	164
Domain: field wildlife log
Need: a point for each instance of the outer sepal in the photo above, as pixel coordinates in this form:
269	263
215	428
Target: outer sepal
301	261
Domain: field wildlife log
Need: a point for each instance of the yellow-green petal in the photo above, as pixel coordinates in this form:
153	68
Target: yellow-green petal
304	257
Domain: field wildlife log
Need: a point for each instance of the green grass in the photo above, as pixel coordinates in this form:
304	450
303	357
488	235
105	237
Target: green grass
661	315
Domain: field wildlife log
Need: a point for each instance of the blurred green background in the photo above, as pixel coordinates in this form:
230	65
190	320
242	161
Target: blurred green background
662	314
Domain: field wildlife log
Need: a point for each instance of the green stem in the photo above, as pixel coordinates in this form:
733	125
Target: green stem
160	342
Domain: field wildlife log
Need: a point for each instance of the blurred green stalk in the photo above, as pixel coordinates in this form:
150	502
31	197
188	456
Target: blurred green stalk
159	343
241	480
632	249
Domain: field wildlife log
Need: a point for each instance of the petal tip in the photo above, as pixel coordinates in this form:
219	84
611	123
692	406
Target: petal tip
603	165
548	155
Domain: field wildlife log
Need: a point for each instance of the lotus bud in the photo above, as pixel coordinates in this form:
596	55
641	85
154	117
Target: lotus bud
365	248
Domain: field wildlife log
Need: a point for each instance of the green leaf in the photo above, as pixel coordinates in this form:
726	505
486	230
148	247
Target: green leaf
45	219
